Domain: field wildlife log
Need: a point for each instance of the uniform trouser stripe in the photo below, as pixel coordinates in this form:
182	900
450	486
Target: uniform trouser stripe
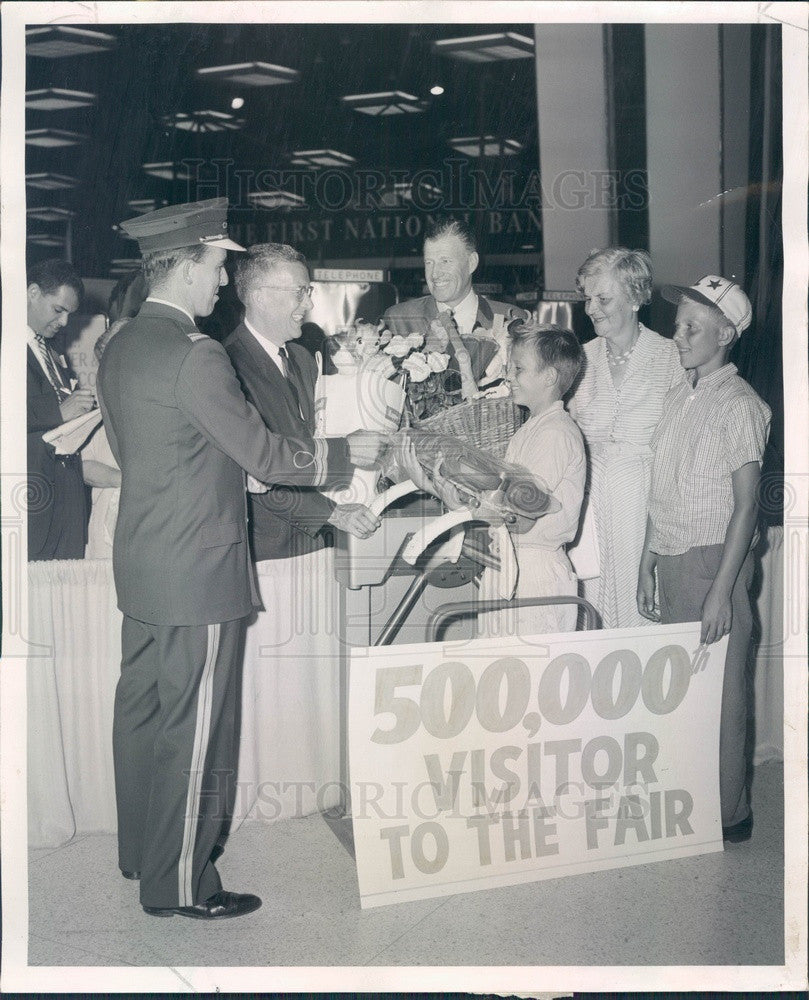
202	732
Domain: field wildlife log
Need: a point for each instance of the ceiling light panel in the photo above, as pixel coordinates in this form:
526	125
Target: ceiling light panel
50	182
470	145
386	102
49	138
56	99
252	74
321	158
204	121
49	213
166	171
487	48
45	240
276	199
59	41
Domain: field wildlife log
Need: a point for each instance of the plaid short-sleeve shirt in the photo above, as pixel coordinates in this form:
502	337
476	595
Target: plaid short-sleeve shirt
707	432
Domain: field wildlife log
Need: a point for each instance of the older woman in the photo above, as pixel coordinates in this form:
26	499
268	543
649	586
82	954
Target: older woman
617	404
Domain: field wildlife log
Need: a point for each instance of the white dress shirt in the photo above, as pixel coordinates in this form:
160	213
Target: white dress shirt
465	313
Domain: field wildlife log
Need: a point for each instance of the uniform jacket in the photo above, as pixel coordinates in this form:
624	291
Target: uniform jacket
57	502
182	432
287	520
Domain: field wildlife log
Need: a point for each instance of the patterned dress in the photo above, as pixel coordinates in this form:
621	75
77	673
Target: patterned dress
617	425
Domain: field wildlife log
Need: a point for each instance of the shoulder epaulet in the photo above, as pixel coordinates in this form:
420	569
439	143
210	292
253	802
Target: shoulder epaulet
196	335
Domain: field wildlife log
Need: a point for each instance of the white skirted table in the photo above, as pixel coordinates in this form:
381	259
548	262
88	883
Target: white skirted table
289	758
289	750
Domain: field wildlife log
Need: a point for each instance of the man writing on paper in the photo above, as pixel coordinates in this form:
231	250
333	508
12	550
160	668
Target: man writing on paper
182	432
57	501
450	260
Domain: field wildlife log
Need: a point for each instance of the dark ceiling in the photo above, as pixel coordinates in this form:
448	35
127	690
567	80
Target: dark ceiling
151	73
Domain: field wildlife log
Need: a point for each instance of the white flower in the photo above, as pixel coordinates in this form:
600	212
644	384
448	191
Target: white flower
417	366
415	340
384	336
381	364
398	347
343	360
437	362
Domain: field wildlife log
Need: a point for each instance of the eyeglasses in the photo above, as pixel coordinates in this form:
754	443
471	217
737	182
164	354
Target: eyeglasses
301	291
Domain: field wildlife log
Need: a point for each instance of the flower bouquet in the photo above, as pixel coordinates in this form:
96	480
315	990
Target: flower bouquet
438	370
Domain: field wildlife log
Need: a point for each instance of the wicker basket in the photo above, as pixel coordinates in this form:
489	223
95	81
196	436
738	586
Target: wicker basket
486	423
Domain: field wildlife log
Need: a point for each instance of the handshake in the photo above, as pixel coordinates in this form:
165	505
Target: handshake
367	448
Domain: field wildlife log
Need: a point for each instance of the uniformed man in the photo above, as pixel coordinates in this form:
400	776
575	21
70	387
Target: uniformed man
182	433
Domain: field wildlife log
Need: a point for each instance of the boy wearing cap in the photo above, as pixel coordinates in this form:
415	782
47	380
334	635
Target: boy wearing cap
182	433
707	450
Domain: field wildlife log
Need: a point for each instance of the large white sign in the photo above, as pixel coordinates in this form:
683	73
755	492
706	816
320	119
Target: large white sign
475	764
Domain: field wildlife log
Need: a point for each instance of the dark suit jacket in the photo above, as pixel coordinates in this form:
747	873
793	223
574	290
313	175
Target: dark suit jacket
57	501
287	520
415	316
182	432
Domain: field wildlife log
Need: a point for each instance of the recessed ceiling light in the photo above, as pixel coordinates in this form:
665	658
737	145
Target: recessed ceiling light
203	121
487	48
166	171
386	102
437	90
236	103
142	205
46	240
402	193
52	137
58	41
49	213
55	99
321	158
50	182
470	145
124	265
251	74
276	199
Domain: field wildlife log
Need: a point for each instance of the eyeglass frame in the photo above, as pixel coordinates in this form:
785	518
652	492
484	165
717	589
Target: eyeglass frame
302	291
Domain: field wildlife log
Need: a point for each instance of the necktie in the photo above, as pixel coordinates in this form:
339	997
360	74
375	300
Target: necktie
54	375
288	376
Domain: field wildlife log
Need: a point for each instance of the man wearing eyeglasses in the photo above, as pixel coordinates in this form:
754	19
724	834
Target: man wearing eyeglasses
289	529
278	377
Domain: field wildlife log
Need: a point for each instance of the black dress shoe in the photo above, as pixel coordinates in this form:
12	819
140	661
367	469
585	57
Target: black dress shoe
739	832
131	875
217	907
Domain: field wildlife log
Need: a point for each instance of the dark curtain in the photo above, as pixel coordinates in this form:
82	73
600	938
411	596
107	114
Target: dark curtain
758	355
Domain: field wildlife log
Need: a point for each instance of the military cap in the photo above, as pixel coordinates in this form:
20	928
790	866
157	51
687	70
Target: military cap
178	226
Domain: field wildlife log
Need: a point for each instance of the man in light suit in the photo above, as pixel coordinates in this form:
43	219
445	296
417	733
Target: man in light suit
57	500
450	260
182	432
278	377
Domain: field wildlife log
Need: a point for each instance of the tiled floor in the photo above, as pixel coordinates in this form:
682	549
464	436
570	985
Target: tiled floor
717	909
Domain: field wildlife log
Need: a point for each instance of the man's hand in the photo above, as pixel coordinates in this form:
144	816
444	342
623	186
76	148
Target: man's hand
366	448
646	595
717	616
78	402
355	518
